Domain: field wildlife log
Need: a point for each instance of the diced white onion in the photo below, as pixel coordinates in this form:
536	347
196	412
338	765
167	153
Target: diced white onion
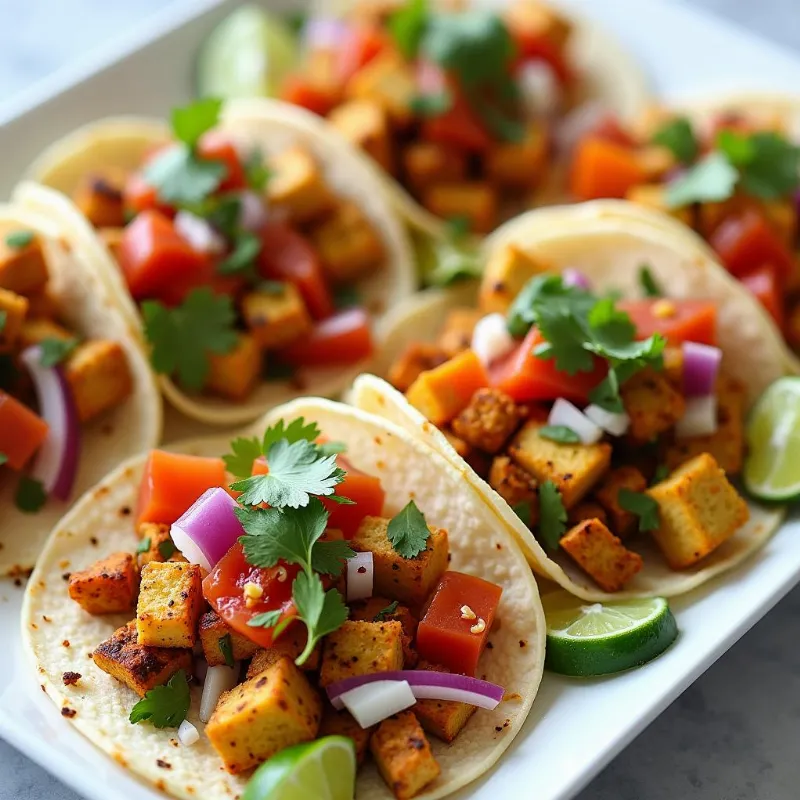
564	413
199	233
491	339
539	88
218	680
699	419
610	421
187	733
373	702
252	211
360	574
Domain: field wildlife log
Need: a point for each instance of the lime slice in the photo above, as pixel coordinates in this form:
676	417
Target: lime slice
586	639
772	469
247	55
324	769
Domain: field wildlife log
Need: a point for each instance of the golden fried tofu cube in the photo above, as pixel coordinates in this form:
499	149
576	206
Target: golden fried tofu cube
170	604
377	609
138	666
656	161
289	644
539	20
488	421
23	266
445	719
607	494
361	648
519	165
505	274
403	755
653	404
155	544
653	195
587	510
264	715
456	336
348	244
409	580
297	185
698	509
428	163
276	319
574	468
35	330
475	200
417	358
212	629
98	374
42	304
341	723
112	239
389	81
601	554
108	586
515	485
99	197
673	366
13	309
234	375
365	124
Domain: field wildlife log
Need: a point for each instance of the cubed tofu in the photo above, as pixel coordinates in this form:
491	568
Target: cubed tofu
297	185
276	319
388	80
35	330
99	197
428	163
519	165
108	586
13	309
375	610
403	755
262	716
607	494
653	195
574	468
515	485
365	124
212	629
42	304
476	201
289	644
505	274
456	335
155	544
414	360
445	719
234	375
341	723
409	580
656	162
112	239
653	404
170	604
489	420
137	666
98	374
361	648
698	510
673	366
587	510
538	20
23	265
348	244
601	554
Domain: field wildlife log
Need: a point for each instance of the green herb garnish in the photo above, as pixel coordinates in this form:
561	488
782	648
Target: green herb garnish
30	496
642	505
386	612
225	644
768	164
241	260
3	320
407	26
650	287
257	173
431	105
559	433
408	532
53	351
167	549
661	473
552	515
3	459
271	287
524	511
346	297
143	546
19	239
712	179
164	706
678	136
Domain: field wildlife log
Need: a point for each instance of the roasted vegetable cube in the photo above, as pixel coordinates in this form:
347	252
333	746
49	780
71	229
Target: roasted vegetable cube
276	319
264	715
475	200
99	197
213	630
341	723
516	486
445	719
654	196
698	510
155	537
456	336
234	375
108	586
289	644
427	163
98	374
36	329
377	609
23	266
488	421
361	648
389	81
506	272
415	359
13	308
652	403
297	186
365	124
170	604
519	165
607	494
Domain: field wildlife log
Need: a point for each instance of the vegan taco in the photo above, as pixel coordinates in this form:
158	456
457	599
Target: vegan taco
398	612
254	251
596	383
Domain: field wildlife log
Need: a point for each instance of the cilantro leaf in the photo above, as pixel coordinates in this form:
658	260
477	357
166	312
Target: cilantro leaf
524	510
190	122
678	136
296	431
30	495
662	471
773	171
431	105
16	240
457	227
332	448
408	532
606	394
182	337
322	612
712	179
225	644
164	706
451	262
385	612
407	26
268	619
240	461
559	433
328	558
737	147
3	320
222	211
143	546
181	179
552	515
256	171
53	351
344	296
167	549
650	287
642	505
3	459
241	261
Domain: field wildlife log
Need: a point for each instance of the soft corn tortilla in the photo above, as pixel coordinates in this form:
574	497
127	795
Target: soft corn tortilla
609	249
102	523
271	126
86	307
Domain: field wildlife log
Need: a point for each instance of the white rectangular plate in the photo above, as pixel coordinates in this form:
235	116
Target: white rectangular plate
575	727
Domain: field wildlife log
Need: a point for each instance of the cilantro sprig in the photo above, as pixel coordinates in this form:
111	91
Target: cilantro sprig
225	644
552	515
53	351
559	433
3	458
408	531
678	136
642	505
647	281
30	495
386	612
3	319
164	706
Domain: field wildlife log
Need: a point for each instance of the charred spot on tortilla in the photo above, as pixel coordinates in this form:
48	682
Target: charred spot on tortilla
68	712
71	678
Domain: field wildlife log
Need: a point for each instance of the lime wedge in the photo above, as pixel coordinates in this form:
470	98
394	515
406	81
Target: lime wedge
585	639
247	55
324	769
772	469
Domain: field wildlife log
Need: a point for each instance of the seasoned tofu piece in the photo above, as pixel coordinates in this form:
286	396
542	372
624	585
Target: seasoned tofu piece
574	468
341	723
415	359
607	494
403	755
653	195
156	544
538	20
23	266
673	366
388	80
264	715
99	197
13	309
348	244
212	630
289	644
361	648
504	276
365	124
698	509
234	375
656	162
601	554
519	165
170	604
297	185
652	403
428	163
515	485
475	200
98	374
35	330
108	586
377	609
489	420
456	336
112	239
137	666
276	319
445	719
42	304
409	580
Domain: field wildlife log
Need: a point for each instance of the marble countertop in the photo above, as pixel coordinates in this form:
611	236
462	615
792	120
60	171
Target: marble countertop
733	734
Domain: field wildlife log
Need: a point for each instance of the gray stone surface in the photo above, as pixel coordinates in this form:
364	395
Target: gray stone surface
733	735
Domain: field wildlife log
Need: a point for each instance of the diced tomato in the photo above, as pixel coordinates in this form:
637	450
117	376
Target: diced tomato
524	376
287	256
223	587
260	466
364	42
458	127
216	146
21	431
344	338
764	285
602	168
444	636
138	195
300	91
365	490
677	320
172	482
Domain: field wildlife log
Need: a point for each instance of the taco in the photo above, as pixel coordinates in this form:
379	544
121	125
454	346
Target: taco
76	392
253	251
434	583
596	382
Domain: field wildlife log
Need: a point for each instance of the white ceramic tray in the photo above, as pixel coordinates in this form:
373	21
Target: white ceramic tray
575	727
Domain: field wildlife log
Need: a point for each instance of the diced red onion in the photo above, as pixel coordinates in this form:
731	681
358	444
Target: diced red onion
700	369
574	277
325	33
199	233
219	679
375	701
188	734
578	123
360	576
252	211
491	339
610	421
430	78
699	419
208	529
564	413
56	464
539	88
